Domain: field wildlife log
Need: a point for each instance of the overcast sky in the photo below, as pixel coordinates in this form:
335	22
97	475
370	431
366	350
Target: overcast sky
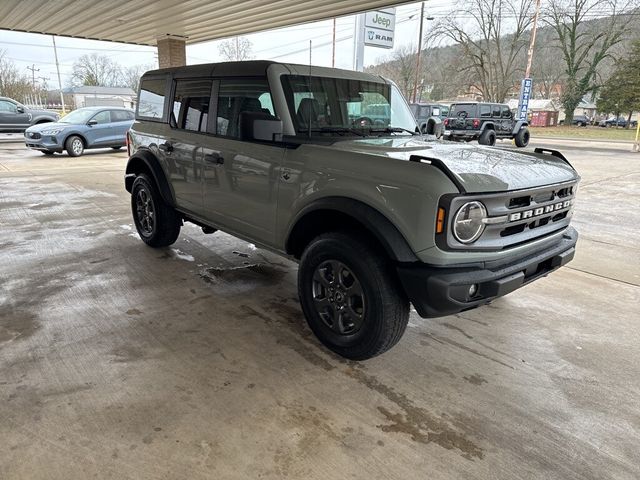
287	44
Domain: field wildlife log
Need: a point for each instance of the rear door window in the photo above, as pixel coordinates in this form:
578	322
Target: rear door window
191	104
120	116
151	99
485	111
496	110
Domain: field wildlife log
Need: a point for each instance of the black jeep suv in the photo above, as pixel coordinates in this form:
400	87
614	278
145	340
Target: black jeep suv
484	122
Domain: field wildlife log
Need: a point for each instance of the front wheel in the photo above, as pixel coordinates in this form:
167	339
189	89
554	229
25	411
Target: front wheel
522	137
350	296
74	146
158	224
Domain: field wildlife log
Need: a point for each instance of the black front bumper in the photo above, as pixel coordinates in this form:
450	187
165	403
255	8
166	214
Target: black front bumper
440	291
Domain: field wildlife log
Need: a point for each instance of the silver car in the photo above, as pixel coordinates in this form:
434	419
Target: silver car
89	127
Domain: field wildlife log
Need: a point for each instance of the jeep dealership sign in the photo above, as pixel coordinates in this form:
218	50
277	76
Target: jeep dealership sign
379	28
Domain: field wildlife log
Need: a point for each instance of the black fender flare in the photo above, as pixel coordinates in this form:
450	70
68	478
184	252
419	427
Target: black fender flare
387	234
519	125
145	161
487	126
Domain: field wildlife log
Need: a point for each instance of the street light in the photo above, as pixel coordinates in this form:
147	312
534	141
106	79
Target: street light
415	84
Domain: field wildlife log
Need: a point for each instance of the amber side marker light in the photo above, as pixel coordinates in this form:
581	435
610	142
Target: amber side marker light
440	220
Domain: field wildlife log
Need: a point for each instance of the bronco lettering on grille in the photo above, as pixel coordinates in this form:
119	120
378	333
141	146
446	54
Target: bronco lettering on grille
536	212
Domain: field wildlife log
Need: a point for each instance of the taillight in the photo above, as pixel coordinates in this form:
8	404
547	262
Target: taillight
127	142
446	122
476	123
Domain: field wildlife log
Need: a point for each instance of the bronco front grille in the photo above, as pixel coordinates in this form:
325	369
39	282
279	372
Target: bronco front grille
518	217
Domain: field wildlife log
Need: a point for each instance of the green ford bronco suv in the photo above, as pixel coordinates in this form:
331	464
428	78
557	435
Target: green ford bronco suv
377	214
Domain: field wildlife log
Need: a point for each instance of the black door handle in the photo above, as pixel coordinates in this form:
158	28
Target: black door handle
214	158
166	147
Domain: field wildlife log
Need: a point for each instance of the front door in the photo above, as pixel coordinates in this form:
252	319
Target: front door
241	175
98	134
11	118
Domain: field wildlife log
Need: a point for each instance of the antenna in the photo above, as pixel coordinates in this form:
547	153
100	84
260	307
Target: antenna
310	91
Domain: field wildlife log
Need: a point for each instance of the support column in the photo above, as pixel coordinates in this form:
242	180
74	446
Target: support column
171	51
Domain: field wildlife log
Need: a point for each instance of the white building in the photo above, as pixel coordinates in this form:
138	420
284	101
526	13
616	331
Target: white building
87	96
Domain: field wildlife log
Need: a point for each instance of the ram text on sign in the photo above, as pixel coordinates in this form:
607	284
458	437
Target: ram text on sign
375	37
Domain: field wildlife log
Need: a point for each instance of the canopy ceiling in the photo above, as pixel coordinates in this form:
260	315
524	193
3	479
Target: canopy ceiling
144	21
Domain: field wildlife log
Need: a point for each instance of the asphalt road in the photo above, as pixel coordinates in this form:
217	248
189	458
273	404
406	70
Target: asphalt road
194	361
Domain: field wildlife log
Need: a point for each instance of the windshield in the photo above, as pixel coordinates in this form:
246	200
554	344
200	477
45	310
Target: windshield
323	104
78	116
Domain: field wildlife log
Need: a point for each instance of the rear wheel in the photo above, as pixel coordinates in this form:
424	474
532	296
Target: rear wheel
74	146
522	137
350	296
157	223
488	137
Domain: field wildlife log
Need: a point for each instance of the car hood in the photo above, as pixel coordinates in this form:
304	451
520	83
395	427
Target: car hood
48	126
477	168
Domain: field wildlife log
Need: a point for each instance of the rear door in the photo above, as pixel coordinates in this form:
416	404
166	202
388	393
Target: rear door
121	121
189	116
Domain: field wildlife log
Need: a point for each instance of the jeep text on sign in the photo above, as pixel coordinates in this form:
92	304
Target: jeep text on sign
382	20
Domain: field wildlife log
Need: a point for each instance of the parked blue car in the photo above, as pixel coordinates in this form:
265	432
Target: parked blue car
89	127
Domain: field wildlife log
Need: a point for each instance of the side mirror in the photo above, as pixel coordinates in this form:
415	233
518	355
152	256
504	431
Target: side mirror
20	109
260	126
91	123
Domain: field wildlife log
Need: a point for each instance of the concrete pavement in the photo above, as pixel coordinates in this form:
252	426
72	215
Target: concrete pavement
120	361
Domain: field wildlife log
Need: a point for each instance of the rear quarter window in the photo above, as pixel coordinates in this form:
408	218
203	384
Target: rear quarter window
151	99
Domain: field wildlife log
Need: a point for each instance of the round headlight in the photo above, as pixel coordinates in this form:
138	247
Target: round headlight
468	224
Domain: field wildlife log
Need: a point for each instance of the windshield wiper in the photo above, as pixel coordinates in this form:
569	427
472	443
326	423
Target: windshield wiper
339	130
392	130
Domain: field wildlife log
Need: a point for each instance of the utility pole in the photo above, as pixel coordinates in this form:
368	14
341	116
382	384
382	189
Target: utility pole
533	40
415	85
526	88
333	47
33	75
55	52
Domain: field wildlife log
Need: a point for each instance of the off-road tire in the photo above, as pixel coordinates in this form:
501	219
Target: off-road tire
164	228
522	137
488	137
74	146
385	310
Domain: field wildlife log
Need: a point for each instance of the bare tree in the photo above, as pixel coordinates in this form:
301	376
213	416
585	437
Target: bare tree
236	49
491	34
13	84
96	70
547	72
399	67
583	47
131	76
